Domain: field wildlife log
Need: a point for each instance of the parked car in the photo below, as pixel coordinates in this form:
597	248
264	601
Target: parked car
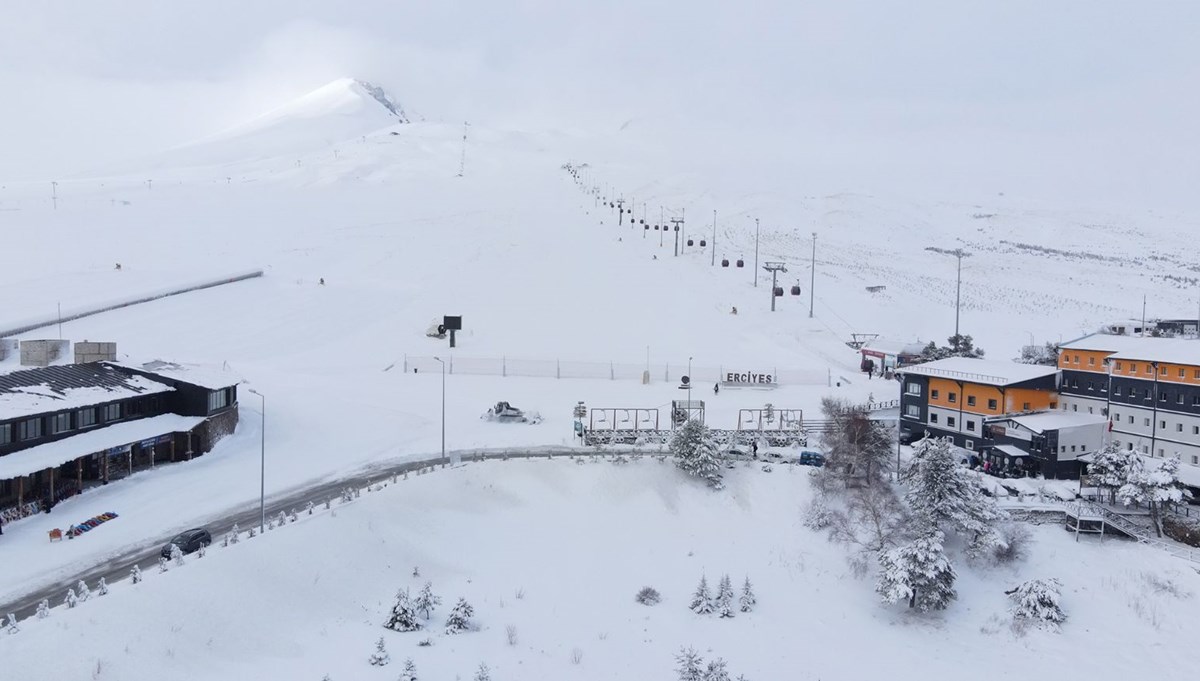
907	437
810	458
188	541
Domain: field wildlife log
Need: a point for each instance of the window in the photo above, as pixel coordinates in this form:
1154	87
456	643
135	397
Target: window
1083	448
5	433
1178	427
1074	407
1149	369
1196	400
1147	394
1160	452
934	394
217	399
1196	373
970	444
1117	390
1162	425
112	412
1162	397
933	418
1116	417
971	426
1117	366
1091	361
1195	459
85	418
970	400
1091	386
60	423
992	405
913	389
1054	405
1146	422
952	397
950	421
1074	383
1077	359
1181	372
912	410
1132	368
1091	410
1072	448
1162	371
1195	430
29	429
1024	406
1145	449
1179	398
1131	419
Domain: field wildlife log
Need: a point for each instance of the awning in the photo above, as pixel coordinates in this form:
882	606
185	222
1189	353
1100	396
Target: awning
55	454
1010	450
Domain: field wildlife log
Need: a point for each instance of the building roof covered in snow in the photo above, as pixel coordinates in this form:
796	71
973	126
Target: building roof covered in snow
203	376
1044	421
57	388
1145	348
984	371
890	347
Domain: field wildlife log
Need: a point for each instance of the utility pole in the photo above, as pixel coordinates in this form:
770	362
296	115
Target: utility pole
662	227
462	159
620	211
682	216
676	222
774	268
714	243
960	254
1143	314
812	283
54	194
755	252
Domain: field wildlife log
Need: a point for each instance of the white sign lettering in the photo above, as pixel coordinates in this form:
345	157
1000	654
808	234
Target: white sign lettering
748	377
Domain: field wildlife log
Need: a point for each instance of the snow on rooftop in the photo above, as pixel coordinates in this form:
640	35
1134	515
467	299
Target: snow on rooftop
211	377
53	454
987	371
43	398
1056	420
892	347
1172	350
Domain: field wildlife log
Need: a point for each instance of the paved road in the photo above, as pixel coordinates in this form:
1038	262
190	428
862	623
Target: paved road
146	554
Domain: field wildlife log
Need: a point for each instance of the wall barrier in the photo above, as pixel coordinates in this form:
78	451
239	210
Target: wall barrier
702	377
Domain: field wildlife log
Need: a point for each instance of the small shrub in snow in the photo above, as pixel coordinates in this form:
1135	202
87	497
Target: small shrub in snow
71	600
162	564
252	533
176	554
270	523
102	588
510	634
716	671
425	642
233	534
328	503
576	656
747	601
409	673
43	610
380	657
83	591
12	624
1038	601
281	520
1012	545
724	604
648	596
426	601
701	600
135	575
818	516
767	468
460	617
519	593
416	572
404	615
483	673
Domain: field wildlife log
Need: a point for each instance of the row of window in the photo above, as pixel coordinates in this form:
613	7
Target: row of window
1133	367
1162	424
218	399
32	429
1161	453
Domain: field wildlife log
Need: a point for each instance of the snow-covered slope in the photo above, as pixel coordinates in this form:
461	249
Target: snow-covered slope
556	550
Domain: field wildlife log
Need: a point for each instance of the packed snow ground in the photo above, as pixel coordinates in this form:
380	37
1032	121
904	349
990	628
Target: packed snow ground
558	549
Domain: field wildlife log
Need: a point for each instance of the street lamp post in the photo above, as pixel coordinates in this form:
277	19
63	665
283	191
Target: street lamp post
691	379
756	253
959	254
262	473
440	361
812	284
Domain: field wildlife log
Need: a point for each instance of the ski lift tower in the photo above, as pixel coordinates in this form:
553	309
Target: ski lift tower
774	268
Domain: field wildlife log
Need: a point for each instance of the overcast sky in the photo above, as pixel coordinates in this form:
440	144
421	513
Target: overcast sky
1099	94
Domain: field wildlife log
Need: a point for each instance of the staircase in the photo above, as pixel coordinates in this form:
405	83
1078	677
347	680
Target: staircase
1084	511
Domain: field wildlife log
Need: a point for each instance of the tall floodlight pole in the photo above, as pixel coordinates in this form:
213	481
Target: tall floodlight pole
959	254
691	380
662	224
54	193
714	243
439	359
462	159
774	268
262	473
756	253
677	222
812	284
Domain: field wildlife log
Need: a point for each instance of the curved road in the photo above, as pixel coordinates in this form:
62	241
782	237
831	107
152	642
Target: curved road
146	554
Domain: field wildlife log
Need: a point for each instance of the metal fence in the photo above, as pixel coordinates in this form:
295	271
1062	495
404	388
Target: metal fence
614	371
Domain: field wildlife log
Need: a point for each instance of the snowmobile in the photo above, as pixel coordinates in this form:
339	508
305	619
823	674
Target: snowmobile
504	412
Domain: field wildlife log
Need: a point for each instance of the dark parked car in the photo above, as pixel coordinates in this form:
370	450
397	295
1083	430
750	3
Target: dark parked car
808	458
907	437
188	541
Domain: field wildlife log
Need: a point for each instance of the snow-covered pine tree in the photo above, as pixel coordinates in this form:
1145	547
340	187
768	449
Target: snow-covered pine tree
696	453
162	564
690	665
1109	468
270	523
459	619
281	520
725	597
747	601
135	574
426	601
380	657
409	673
483	673
233	534
1038	600
43	610
943	492
404	615
309	508
176	554
82	590
1154	486
293	516
71	600
251	533
716	671
12	624
918	572
102	588
702	600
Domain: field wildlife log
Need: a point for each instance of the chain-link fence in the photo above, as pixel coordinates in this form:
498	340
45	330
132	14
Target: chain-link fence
615	371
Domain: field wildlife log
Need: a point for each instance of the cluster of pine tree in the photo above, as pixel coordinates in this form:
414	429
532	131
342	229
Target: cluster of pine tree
705	603
1125	477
